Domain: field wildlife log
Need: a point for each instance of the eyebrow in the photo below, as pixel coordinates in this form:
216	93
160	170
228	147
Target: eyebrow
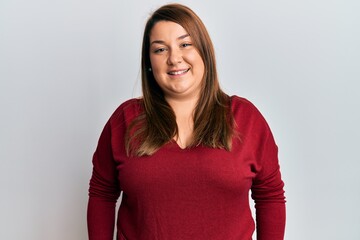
179	38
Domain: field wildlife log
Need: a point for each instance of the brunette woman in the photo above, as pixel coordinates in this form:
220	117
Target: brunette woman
185	155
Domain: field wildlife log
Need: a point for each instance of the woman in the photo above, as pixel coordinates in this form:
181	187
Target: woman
185	155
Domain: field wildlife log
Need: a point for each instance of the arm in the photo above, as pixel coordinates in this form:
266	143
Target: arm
268	194
104	190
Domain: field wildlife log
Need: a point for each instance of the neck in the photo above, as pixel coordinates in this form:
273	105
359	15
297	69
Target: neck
182	107
184	113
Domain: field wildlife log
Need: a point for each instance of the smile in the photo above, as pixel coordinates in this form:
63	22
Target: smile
178	72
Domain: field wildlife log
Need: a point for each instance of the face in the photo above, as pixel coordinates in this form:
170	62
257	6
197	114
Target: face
176	64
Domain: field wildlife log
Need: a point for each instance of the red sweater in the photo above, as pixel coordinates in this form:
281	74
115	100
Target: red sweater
187	194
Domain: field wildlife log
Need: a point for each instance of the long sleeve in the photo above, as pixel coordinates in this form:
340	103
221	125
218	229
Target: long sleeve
268	193
104	190
195	193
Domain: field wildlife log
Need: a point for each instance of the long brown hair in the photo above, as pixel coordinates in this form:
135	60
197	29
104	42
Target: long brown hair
213	122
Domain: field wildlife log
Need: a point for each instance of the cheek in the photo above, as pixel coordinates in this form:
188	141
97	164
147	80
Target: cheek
200	66
153	62
157	69
196	60
157	64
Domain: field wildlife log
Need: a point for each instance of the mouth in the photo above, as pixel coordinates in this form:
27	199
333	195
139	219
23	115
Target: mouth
178	72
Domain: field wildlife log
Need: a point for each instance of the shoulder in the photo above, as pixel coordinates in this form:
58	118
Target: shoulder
247	115
133	104
127	111
243	105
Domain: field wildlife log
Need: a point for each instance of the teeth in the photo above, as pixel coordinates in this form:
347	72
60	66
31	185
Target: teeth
178	72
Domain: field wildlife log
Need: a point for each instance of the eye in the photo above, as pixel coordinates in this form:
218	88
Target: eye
159	50
184	45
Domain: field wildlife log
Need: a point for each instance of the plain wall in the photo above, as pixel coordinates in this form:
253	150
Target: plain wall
65	65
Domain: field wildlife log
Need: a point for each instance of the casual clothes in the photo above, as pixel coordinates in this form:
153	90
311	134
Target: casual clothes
197	193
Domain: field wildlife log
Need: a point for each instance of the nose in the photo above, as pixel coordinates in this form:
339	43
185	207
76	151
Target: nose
174	57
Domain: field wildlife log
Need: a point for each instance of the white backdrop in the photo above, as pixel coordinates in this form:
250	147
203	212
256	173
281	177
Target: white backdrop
65	65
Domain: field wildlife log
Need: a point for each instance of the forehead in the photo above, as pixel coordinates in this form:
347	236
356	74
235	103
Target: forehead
166	30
